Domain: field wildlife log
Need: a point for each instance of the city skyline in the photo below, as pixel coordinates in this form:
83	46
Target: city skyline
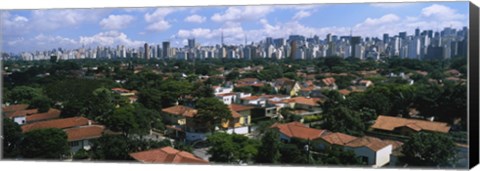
31	30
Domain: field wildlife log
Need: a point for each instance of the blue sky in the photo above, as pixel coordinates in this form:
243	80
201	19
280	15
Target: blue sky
30	30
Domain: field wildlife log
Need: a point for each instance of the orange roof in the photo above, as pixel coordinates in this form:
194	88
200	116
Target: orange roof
328	81
390	123
50	114
166	155
251	98
234	113
226	94
180	110
22	113
120	90
57	123
13	108
238	108
338	138
298	130
344	92
304	100
395	144
372	143
84	132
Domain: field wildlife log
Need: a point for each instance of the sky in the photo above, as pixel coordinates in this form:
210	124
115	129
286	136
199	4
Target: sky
38	30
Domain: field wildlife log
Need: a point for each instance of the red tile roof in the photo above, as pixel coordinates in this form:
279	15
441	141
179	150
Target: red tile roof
84	132
344	92
389	123
298	130
13	108
251	98
338	138
304	100
328	81
180	110
226	94
167	155
238	108
372	143
118	89
57	123
50	114
22	113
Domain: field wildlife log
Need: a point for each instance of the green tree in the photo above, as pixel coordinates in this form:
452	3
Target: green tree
50	143
429	149
269	150
42	103
173	90
110	147
292	154
338	156
343	119
212	112
231	148
12	137
24	94
151	98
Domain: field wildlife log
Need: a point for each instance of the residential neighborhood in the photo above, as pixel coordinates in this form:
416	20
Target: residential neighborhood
254	85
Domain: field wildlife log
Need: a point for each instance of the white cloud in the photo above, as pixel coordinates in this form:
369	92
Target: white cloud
157	20
386	19
161	25
110	38
53	19
195	19
116	22
20	19
441	12
13	25
301	14
247	13
55	40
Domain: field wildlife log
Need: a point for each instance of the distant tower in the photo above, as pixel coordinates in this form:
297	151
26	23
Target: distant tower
147	51
222	39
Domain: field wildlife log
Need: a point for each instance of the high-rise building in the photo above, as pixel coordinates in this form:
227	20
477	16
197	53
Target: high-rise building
417	32
385	38
402	35
191	43
166	49
147	51
355	40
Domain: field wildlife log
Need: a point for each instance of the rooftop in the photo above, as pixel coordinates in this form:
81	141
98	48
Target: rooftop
180	110
166	155
390	123
298	130
84	132
57	123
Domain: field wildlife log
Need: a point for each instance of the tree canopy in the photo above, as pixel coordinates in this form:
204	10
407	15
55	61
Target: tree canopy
50	143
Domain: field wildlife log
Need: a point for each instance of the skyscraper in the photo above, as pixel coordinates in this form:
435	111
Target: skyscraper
191	43
166	49
385	38
147	51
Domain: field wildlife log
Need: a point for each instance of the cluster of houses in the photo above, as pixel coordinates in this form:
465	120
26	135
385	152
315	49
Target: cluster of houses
301	98
80	131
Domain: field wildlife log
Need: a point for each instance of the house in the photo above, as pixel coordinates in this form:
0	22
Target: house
177	114
167	155
248	82
286	85
80	131
405	126
365	84
227	98
27	116
49	115
373	151
241	119
20	116
81	137
253	100
304	106
13	108
329	83
57	123
131	94
222	90
297	130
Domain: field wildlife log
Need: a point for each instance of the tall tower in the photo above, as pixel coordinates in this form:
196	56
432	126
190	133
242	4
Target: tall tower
147	51
222	39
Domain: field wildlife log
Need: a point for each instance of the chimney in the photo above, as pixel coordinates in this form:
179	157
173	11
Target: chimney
89	122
